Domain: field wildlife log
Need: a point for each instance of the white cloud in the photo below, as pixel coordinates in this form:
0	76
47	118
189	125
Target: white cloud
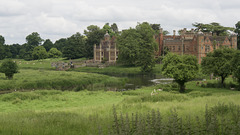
55	19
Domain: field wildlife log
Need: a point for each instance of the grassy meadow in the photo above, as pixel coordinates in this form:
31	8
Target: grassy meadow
91	112
49	102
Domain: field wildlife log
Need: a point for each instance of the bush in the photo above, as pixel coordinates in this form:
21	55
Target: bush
9	68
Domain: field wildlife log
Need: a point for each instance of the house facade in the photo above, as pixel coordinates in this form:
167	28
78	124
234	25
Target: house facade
194	43
107	50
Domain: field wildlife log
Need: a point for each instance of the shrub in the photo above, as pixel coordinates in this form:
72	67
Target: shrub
9	68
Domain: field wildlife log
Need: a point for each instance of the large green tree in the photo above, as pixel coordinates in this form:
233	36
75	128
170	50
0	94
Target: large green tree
34	39
39	52
54	53
219	63
9	68
213	27
75	47
94	35
137	47
182	68
60	44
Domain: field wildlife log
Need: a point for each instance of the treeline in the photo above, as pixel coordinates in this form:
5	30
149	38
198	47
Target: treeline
81	45
76	46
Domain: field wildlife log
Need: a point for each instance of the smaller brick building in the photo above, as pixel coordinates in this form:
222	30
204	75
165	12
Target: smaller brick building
194	43
107	50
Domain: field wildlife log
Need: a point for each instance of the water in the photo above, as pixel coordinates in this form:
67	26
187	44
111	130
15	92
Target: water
135	81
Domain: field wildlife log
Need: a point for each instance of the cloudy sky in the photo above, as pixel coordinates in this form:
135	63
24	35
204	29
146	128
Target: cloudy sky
55	19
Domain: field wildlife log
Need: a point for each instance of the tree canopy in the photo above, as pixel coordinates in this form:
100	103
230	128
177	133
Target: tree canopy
75	47
219	63
9	68
54	53
39	52
182	68
237	30
137	47
94	35
212	27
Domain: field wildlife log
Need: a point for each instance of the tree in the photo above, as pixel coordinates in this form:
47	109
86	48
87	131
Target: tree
137	47
2	40
54	53
94	35
182	68
237	30
235	64
213	27
75	47
34	39
9	68
48	44
148	46
129	47
114	28
219	63
60	44
39	52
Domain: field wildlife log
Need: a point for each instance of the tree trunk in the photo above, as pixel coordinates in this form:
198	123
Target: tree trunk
182	87
222	81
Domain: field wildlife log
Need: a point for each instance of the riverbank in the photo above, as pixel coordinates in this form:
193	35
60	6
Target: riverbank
118	70
28	79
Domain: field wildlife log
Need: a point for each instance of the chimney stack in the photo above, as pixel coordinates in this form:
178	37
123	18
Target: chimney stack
161	30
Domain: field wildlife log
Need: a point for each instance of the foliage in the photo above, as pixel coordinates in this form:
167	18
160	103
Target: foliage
34	39
235	64
2	40
48	44
237	30
60	44
54	53
213	27
9	68
212	121
75	47
219	63
137	47
94	35
39	52
182	68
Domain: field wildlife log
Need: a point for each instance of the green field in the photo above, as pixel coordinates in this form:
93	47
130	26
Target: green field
49	102
57	112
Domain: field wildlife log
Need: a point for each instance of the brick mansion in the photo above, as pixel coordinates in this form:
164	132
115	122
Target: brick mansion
188	42
194	43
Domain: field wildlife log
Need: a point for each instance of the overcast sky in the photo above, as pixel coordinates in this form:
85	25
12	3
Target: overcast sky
55	19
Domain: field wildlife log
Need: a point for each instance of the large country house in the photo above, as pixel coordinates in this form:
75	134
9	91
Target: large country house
194	43
188	42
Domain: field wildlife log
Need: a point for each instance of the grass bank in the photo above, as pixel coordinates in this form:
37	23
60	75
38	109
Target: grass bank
90	112
29	79
118	70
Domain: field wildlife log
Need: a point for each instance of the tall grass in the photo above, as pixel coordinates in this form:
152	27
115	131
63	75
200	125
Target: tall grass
212	122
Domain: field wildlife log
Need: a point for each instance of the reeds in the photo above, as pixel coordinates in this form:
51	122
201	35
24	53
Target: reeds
220	119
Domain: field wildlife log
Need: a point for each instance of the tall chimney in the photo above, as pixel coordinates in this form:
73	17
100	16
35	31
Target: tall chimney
174	33
161	30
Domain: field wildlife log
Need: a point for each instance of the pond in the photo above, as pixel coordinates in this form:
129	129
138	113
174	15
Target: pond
135	81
